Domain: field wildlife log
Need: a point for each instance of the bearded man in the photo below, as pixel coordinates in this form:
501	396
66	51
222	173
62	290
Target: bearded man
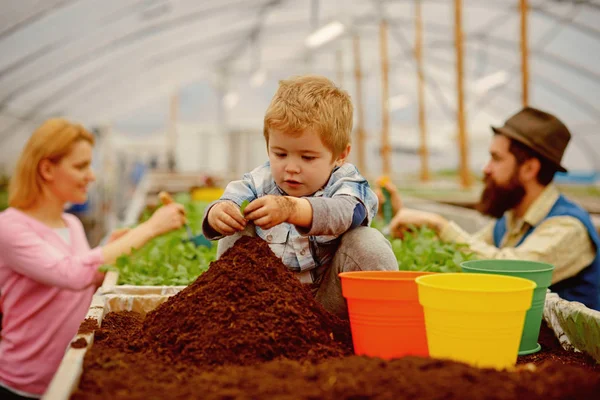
533	220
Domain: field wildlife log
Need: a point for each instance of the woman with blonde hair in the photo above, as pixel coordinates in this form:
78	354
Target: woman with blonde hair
48	273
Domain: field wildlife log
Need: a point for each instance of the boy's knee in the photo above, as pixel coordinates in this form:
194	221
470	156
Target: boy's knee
369	248
365	238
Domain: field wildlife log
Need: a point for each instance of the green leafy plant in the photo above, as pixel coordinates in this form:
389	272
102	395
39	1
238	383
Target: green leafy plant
168	259
421	250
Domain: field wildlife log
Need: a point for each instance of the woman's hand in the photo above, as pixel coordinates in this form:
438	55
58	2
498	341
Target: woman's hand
98	279
167	218
117	233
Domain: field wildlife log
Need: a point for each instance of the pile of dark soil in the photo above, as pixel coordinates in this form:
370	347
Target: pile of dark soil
246	309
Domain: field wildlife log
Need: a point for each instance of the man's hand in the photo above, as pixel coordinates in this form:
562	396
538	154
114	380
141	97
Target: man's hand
395	198
225	217
269	211
407	217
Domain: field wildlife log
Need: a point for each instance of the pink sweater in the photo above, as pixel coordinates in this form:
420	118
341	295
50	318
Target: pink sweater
46	287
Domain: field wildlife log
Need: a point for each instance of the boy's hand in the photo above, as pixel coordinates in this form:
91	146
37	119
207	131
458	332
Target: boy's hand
225	218
269	211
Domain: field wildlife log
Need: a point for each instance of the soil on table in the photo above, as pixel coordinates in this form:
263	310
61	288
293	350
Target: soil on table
88	325
112	371
248	329
79	343
553	351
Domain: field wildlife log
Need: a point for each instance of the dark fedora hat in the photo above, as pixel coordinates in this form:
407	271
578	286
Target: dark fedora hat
540	131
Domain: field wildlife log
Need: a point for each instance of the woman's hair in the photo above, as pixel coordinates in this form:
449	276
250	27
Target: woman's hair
52	141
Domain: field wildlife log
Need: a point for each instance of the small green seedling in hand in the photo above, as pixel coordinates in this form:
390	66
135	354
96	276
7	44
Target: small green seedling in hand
243	206
243	211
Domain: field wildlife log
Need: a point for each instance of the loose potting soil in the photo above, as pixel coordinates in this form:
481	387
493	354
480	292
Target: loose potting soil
553	351
247	308
247	329
112	372
79	343
88	325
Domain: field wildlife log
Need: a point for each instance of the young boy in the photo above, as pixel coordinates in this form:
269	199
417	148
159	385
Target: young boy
312	207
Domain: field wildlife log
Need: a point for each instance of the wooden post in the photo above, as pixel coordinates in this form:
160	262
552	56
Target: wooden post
360	114
524	53
465	175
172	137
421	90
385	95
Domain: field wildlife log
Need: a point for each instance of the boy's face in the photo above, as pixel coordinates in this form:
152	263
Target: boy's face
301	164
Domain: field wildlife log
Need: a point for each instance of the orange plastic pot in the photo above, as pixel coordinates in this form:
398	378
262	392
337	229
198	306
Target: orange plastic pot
386	317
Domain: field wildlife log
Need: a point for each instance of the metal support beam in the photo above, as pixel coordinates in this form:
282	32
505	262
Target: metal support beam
40	12
116	44
582	28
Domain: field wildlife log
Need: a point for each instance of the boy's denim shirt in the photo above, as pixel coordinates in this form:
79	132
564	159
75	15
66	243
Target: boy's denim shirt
300	250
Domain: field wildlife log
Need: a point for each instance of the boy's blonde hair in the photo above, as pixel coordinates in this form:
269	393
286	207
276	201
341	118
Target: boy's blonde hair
52	141
311	102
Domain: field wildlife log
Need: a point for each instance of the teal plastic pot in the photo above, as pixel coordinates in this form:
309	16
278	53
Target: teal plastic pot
540	273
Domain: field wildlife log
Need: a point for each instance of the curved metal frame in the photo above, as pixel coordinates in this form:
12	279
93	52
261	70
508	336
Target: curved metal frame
238	41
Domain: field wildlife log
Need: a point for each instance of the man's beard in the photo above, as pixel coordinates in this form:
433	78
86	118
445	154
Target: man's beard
496	199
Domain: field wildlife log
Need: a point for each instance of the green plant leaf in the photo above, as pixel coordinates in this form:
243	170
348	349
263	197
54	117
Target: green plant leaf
243	206
421	250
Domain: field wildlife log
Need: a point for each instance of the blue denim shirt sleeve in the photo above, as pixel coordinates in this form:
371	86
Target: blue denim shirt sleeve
359	217
238	191
347	181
